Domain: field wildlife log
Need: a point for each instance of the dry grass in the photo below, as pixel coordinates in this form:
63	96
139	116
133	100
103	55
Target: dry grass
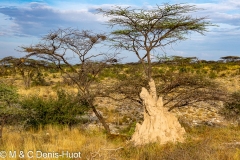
202	143
91	144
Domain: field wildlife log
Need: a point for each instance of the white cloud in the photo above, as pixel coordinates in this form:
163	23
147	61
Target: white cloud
36	19
222	11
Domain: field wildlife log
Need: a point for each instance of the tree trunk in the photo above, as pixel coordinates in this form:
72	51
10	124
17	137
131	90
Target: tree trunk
159	125
1	128
149	68
101	119
1	131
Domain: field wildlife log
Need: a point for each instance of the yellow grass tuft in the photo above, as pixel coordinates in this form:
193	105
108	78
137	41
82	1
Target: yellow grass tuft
55	139
201	143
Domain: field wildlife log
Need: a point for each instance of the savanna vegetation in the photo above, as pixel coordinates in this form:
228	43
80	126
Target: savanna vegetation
52	117
52	104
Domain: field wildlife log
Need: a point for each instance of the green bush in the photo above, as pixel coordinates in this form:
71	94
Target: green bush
54	76
39	80
183	70
52	70
212	75
198	65
111	72
10	111
8	95
202	71
61	111
218	67
232	107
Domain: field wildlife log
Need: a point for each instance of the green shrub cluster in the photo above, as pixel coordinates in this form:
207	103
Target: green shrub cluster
39	80
60	111
34	111
232	107
8	95
10	112
109	73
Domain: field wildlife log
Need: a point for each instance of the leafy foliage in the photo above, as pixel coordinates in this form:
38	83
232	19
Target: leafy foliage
63	110
142	31
39	80
29	69
8	95
10	111
232	107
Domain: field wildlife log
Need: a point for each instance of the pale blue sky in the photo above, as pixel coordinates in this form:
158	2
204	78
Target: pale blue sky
23	22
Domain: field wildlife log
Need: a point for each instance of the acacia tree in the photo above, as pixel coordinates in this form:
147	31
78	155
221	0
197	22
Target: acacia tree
7	65
142	31
29	69
59	45
231	58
